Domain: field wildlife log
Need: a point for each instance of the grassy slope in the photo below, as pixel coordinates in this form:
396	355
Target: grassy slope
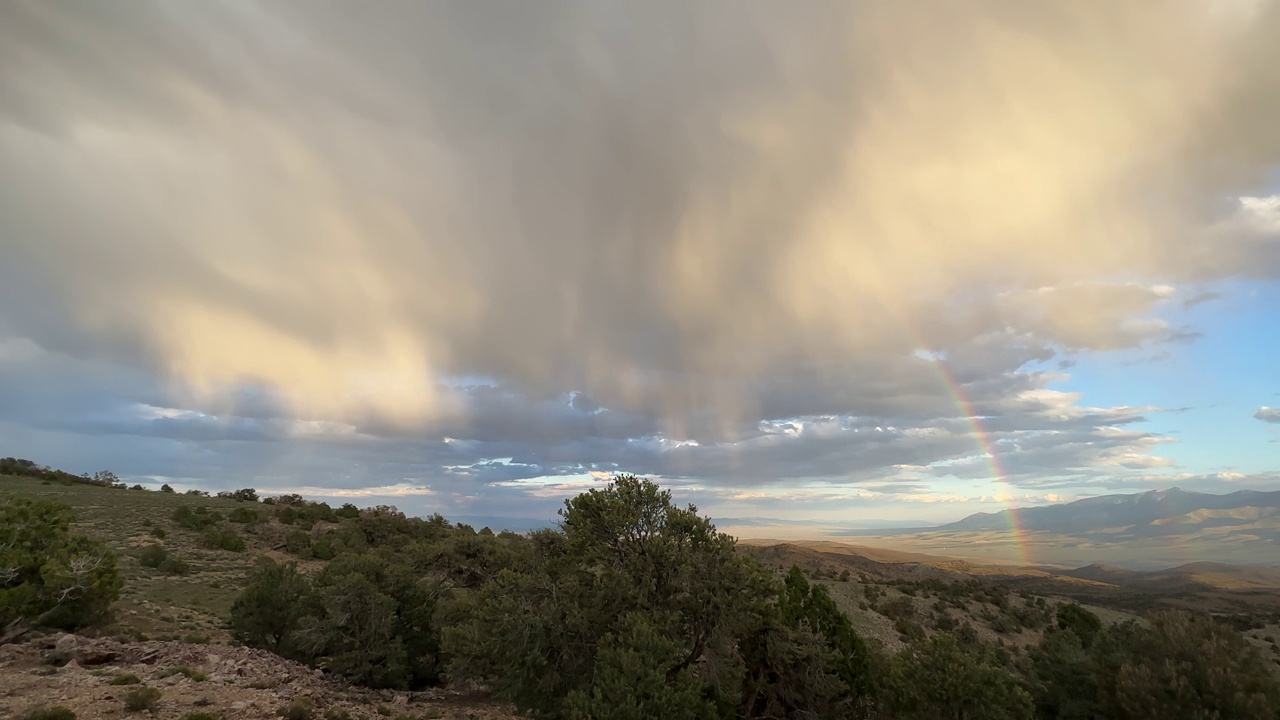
152	603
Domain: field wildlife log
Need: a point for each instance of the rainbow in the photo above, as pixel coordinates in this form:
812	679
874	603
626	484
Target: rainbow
956	390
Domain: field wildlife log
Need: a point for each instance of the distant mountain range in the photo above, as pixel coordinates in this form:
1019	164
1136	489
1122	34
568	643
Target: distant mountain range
1158	512
1142	531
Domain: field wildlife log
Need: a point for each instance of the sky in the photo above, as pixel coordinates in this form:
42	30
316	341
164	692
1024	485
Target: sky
811	266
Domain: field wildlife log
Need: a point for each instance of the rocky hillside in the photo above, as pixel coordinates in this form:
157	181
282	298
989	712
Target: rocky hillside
95	678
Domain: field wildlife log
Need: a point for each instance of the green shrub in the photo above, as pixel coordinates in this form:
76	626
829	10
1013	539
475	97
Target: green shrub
244	515
336	714
55	578
185	671
270	610
174	566
222	539
124	679
144	698
54	713
58	658
297	542
152	555
192	519
158	532
300	709
200	715
323	549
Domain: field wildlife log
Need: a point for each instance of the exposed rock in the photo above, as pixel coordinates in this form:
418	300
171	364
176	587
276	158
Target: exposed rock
66	642
96	655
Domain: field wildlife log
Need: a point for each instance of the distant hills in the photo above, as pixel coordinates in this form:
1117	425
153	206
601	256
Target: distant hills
1158	512
1140	531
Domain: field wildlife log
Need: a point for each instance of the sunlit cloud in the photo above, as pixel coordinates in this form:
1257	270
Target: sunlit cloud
794	253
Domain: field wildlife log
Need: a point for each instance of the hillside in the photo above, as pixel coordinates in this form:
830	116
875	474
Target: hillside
371	613
155	603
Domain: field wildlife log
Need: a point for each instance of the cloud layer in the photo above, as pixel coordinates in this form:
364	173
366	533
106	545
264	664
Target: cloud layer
469	244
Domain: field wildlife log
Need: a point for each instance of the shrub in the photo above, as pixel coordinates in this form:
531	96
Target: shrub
58	658
336	714
222	539
144	698
55	578
300	709
192	519
158	532
269	611
323	549
174	566
185	671
152	555
1076	619
124	679
297	542
244	515
165	488
200	715
942	677
262	684
54	713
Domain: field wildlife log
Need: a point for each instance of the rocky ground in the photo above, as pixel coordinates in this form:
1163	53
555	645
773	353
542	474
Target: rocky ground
230	683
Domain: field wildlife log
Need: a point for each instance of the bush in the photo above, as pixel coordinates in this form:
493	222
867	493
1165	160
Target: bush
144	698
553	633
297	542
336	714
165	488
269	611
244	515
323	549
941	677
152	555
200	715
1076	619
174	566
56	578
300	709
54	713
124	679
185	671
222	539
192	519
158	532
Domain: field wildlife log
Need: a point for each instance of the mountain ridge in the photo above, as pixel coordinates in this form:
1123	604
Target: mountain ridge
1113	511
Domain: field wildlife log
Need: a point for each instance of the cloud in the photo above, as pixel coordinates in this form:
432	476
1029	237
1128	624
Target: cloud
1200	298
1268	414
473	245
